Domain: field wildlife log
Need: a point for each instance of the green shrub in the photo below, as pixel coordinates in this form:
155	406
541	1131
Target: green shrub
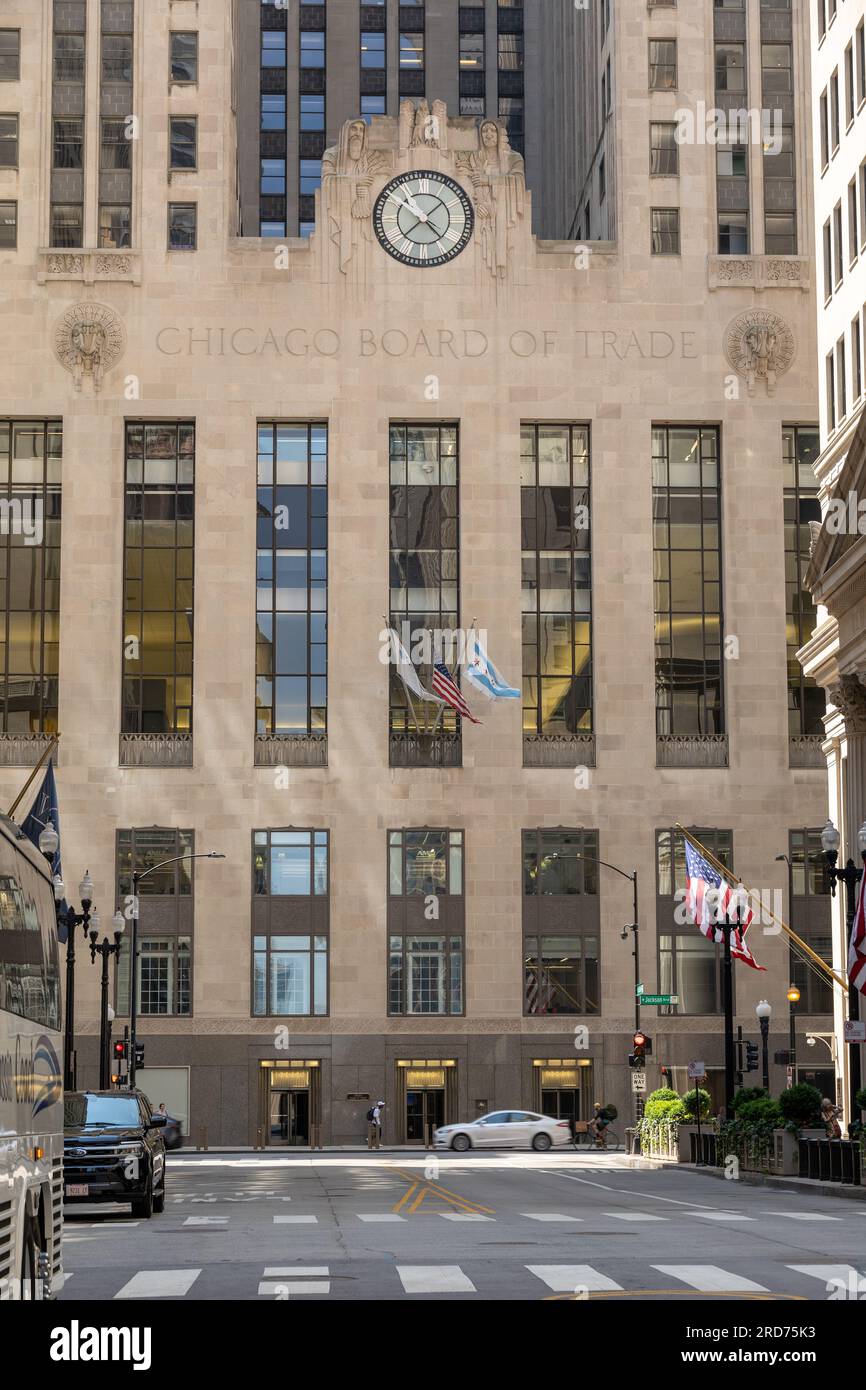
860	1098
747	1094
761	1110
672	1110
663	1093
691	1101
800	1105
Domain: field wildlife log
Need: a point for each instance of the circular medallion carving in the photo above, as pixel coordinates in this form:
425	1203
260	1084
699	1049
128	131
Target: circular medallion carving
760	345
88	340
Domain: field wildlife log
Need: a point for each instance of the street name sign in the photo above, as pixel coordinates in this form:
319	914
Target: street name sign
659	998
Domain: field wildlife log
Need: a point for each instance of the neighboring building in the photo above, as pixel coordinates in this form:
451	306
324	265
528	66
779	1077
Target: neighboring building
261	449
835	657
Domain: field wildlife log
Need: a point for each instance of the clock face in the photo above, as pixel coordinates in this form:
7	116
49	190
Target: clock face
423	218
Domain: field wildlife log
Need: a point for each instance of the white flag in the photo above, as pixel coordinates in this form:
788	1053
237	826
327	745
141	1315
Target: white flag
407	673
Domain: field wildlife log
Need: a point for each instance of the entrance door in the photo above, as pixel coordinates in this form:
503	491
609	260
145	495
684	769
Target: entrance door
423	1108
290	1117
561	1105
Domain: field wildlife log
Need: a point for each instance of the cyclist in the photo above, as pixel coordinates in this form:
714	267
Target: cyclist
598	1125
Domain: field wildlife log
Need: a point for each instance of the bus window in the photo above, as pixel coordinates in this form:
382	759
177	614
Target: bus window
50	963
21	952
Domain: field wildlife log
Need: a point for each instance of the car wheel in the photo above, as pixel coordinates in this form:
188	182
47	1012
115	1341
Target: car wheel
143	1207
541	1143
159	1200
461	1142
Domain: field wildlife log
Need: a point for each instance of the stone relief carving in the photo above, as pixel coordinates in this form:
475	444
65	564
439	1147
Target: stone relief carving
88	340
348	170
849	697
496	173
759	345
789	270
733	271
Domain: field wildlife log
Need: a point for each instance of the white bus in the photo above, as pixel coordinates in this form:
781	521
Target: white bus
31	1076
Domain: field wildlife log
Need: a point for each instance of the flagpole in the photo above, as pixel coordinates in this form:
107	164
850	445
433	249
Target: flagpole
729	1019
810	956
55	738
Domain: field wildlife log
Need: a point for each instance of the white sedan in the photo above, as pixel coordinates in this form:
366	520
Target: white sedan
520	1129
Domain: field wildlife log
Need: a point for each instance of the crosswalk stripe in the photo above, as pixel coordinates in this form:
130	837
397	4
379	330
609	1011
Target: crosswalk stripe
380	1216
634	1216
296	1220
567	1278
434	1279
294	1286
159	1283
287	1271
827	1272
463	1216
549	1216
802	1215
206	1221
711	1279
720	1215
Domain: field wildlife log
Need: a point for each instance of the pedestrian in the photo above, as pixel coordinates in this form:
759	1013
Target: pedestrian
375	1116
161	1110
830	1115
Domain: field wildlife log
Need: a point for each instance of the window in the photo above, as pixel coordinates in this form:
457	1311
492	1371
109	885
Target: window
375	106
665	231
800	449
841	381
8	142
828	260
861	63
837	244
730	62
511	112
732	161
273	48
116	58
115	149
158	586
312	48
850	96
115	229
312	112
182	219
664	150
184	57
852	222
863	205
776	68
372	49
556	566
290	909
425	922
68	58
662	65
825	130
273	176
689	965
472	52
183	139
810	918
165	919
69	144
733	234
310	176
30	466
510	52
780	234
687	580
424	577
830	390
274	111
856	360
412	51
602	186
560	886
67	224
292	579
834	111
10	55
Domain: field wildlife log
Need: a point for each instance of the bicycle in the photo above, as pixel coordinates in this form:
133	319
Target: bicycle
583	1139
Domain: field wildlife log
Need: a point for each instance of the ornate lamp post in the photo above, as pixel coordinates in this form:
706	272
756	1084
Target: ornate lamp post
850	876
793	997
105	949
48	845
764	1011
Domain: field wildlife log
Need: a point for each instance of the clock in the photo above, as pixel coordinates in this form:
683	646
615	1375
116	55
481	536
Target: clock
423	219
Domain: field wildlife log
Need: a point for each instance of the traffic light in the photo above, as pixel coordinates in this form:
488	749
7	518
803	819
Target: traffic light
642	1046
751	1056
120	1051
139	1054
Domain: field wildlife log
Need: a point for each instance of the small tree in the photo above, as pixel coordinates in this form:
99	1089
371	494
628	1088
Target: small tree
663	1093
695	1098
800	1105
747	1094
860	1098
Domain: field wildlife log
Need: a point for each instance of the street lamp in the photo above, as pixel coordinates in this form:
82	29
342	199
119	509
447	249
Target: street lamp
850	876
49	843
764	1010
133	963
793	998
105	949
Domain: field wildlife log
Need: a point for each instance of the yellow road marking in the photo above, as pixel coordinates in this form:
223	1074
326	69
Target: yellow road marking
406	1195
435	1189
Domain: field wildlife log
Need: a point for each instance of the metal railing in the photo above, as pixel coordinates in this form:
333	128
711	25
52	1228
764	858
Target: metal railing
831	1160
425	750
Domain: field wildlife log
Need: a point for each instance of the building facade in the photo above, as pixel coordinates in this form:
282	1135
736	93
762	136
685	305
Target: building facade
252	456
836	654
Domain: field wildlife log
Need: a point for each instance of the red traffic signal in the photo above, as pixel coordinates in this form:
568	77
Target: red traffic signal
120	1050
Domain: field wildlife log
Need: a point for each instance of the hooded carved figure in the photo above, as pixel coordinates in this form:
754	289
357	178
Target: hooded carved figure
496	173
348	170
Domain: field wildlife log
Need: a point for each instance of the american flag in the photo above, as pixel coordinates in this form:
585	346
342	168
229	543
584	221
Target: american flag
857	947
710	898
444	686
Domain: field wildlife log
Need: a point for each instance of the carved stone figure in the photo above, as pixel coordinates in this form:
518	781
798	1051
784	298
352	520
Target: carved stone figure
759	345
88	340
497	177
348	170
849	697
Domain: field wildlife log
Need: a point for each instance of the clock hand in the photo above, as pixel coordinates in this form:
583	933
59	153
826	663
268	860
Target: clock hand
411	206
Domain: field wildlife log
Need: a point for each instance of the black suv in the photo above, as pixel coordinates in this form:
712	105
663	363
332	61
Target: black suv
113	1150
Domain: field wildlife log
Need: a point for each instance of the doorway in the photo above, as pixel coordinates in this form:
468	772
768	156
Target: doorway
289	1117
425	1111
561	1105
562	1088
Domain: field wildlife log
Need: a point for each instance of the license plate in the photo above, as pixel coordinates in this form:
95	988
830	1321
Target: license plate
77	1189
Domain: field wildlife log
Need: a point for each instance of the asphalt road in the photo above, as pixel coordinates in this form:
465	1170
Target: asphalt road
486	1226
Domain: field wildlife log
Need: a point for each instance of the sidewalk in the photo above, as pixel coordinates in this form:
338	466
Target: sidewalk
789	1184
